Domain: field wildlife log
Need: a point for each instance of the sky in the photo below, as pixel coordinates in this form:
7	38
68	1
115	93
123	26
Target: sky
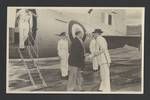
134	17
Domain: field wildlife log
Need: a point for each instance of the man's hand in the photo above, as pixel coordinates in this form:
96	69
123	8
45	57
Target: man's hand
108	64
81	69
86	54
59	57
96	54
30	30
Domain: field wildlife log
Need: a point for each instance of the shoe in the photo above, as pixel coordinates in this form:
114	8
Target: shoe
98	68
95	70
81	90
22	49
100	90
64	78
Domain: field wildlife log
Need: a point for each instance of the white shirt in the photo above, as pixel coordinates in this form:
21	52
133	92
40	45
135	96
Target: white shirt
62	48
101	44
93	47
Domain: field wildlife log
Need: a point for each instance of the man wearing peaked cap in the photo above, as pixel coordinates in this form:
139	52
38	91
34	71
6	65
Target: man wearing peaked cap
62	34
98	31
103	60
63	53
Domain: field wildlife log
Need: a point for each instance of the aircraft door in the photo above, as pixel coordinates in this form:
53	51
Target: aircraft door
73	27
34	28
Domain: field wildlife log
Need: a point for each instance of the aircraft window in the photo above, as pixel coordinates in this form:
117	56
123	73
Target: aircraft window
109	19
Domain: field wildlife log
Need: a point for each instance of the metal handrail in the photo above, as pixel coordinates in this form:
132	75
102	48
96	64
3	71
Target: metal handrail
33	39
44	83
26	67
36	53
36	67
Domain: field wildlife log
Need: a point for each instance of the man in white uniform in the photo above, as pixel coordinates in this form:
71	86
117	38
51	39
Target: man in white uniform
63	53
24	25
93	51
104	61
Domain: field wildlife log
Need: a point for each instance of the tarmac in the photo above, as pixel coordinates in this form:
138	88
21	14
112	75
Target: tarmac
125	71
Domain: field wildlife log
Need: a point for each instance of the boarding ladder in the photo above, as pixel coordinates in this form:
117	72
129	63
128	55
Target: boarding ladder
33	70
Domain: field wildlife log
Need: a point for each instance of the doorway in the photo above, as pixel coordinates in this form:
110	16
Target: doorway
34	29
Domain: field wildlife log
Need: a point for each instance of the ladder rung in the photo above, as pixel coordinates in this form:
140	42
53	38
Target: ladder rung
35	44
36	53
38	70
33	70
31	79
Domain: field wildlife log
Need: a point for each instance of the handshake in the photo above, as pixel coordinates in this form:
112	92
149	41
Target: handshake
97	53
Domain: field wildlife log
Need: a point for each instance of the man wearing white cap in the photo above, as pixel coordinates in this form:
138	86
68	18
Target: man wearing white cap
63	53
104	61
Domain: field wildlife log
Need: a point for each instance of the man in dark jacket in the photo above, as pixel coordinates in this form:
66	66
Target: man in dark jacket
76	62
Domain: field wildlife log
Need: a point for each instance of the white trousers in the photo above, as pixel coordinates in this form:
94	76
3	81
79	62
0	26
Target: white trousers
64	66
23	33
105	78
95	63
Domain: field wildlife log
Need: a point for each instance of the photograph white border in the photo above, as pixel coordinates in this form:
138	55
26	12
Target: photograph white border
74	92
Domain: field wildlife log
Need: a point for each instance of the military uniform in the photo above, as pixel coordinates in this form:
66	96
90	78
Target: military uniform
93	50
24	25
104	61
63	53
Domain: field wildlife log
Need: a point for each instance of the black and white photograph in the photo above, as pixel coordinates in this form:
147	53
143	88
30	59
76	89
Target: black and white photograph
75	50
